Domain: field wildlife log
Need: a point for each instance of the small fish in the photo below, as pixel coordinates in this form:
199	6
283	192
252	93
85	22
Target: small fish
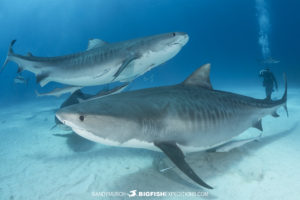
104	93
269	61
20	80
59	91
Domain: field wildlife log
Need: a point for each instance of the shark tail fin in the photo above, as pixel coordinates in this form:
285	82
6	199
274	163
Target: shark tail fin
10	53
284	97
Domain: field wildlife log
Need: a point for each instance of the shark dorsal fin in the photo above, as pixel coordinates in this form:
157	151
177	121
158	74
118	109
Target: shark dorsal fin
95	43
29	54
200	77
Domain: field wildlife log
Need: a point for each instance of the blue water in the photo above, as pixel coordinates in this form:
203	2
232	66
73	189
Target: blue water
224	33
232	35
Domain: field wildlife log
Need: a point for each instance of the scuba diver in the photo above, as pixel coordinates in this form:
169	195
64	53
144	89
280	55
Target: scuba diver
268	82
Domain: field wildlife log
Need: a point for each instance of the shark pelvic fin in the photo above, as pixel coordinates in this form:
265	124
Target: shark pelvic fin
42	79
200	77
176	156
95	43
258	125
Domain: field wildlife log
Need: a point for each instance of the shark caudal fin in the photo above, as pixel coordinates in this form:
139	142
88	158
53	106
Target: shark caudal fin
284	97
10	52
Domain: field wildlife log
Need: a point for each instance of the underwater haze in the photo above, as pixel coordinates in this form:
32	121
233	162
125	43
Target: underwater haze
238	38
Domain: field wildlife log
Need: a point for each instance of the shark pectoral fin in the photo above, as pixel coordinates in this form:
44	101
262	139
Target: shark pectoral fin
95	43
258	125
176	156
42	79
125	64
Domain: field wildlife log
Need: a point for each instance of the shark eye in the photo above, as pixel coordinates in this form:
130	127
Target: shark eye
174	34
81	117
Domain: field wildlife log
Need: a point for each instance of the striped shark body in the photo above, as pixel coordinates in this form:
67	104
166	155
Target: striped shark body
102	62
187	117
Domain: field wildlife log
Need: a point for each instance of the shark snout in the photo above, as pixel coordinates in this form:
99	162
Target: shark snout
181	38
63	116
59	117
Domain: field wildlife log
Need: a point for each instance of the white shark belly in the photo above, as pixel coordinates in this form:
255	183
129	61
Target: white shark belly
146	62
99	77
133	143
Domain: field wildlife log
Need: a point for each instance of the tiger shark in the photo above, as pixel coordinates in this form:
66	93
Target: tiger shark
102	62
187	117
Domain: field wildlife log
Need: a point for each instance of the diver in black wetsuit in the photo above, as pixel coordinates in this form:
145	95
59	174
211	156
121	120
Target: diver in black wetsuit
268	82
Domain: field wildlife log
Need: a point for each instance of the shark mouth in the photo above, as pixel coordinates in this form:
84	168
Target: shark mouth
173	44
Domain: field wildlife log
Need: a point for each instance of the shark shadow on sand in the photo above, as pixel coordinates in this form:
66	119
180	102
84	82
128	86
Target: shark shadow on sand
207	163
77	143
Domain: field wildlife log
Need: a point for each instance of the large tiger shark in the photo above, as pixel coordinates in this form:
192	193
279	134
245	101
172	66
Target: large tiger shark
190	116
102	62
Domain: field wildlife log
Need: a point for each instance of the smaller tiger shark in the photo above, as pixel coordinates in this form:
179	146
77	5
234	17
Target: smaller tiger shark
187	117
102	62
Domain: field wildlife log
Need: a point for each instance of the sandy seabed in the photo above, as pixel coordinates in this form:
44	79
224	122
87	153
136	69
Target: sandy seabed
37	164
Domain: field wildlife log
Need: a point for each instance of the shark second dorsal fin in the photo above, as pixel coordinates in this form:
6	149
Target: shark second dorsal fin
200	77
95	43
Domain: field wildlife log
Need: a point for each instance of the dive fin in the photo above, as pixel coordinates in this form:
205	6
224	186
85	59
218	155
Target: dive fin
10	52
200	77
258	125
95	43
124	65
42	79
176	156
